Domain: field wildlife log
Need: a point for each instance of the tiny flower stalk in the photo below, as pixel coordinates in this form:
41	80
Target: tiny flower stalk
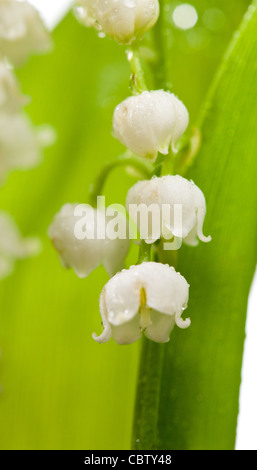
127	160
137	78
144	252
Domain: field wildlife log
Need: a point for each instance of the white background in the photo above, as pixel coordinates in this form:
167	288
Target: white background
52	11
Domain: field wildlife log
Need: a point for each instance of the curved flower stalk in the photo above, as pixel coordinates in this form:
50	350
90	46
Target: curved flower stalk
20	145
166	192
22	31
83	243
13	246
123	20
150	122
148	298
11	98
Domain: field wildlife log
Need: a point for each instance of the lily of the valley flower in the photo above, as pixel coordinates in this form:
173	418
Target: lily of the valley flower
11	99
13	246
169	192
20	146
87	253
148	298
123	20
148	123
22	32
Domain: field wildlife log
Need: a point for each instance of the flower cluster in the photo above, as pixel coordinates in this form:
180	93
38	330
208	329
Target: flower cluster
13	246
148	298
21	34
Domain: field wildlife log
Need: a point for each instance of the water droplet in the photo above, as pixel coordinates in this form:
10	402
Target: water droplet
129	55
130	3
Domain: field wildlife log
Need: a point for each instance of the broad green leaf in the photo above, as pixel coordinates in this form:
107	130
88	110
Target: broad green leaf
60	389
195	381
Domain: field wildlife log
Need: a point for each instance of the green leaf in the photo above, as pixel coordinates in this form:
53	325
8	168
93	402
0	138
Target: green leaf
60	389
196	391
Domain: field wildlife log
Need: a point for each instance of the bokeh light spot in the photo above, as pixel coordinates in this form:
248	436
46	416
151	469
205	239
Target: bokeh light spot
185	16
214	19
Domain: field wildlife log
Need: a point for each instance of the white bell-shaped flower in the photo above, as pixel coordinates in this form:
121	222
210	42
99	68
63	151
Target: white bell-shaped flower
181	205
22	32
20	146
13	246
148	123
123	20
83	243
148	298
11	99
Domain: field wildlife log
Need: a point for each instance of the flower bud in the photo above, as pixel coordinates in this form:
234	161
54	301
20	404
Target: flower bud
19	144
21	31
13	246
148	298
85	251
171	193
148	123
11	99
123	20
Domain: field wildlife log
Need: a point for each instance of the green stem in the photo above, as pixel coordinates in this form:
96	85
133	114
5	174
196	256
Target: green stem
143	166
152	355
157	168
137	79
144	252
168	164
148	396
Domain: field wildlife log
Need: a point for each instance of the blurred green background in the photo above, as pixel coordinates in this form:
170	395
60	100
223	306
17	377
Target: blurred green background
59	389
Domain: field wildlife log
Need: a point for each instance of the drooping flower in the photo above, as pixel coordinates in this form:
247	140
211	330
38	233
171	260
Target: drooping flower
13	246
169	193
148	298
20	146
11	99
148	123
22	31
123	20
82	242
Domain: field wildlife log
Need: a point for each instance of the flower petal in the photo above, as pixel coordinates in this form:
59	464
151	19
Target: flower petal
122	296
107	333
161	327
